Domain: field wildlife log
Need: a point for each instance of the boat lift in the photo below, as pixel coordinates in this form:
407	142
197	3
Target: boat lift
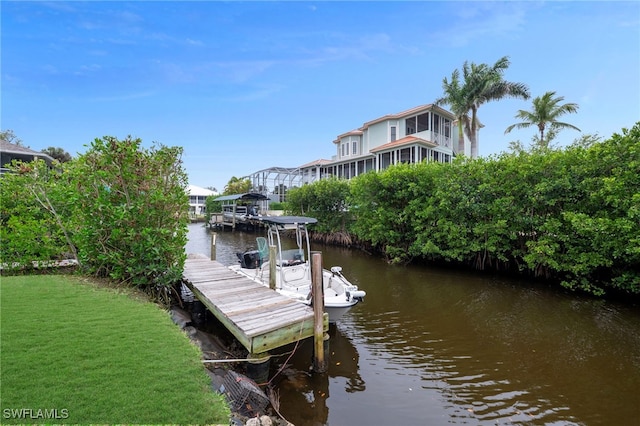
239	209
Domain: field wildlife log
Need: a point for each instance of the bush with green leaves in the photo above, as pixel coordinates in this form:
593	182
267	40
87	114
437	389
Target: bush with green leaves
325	200
36	215
211	205
276	205
133	208
572	215
379	204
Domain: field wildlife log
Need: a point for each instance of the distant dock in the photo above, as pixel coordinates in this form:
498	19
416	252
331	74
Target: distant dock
224	221
260	318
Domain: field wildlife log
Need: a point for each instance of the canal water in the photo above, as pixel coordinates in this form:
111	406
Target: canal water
431	347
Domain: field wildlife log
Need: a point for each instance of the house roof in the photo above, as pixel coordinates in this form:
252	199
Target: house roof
11	148
198	191
397	116
355	132
318	162
408	140
402	114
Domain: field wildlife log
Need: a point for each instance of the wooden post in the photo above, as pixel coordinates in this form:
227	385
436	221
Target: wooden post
213	245
272	267
317	294
233	222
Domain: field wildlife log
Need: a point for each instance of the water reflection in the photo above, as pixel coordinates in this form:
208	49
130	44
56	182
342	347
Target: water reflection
309	393
431	346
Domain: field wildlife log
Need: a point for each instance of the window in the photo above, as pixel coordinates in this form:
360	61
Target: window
406	155
423	122
345	149
393	133
385	160
418	123
447	127
411	125
369	165
354	147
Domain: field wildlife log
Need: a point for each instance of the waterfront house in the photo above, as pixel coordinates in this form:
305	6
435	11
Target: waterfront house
197	199
424	133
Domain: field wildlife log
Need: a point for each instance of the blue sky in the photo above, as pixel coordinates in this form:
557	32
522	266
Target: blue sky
243	86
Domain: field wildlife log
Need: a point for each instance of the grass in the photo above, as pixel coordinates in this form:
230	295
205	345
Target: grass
96	355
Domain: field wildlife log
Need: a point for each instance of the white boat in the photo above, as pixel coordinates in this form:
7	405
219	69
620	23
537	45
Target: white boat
293	267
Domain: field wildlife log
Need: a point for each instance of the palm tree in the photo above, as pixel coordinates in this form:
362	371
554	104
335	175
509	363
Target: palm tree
481	84
237	186
454	96
545	113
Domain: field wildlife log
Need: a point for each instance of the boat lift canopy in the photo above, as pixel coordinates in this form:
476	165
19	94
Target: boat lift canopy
245	196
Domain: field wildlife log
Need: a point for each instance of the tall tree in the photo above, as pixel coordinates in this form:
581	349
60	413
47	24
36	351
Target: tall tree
455	97
237	185
57	153
9	136
480	84
544	115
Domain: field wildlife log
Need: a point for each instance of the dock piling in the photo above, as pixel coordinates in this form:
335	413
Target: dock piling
319	362
213	245
273	250
258	367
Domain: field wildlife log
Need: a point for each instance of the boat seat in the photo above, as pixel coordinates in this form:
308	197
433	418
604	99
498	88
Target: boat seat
263	248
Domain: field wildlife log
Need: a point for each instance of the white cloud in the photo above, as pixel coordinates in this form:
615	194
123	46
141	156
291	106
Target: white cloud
194	42
480	20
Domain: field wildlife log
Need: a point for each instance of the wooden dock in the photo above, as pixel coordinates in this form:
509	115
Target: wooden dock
260	318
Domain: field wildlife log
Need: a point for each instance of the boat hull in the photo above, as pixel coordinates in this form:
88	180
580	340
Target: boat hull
335	305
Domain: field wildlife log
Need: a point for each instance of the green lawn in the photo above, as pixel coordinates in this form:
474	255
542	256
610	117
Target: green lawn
85	354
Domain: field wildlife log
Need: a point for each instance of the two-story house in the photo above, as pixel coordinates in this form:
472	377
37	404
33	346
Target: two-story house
424	133
197	199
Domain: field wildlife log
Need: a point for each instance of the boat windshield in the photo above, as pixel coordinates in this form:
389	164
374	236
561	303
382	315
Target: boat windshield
295	256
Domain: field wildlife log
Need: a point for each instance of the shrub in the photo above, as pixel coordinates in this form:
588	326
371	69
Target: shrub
133	207
36	220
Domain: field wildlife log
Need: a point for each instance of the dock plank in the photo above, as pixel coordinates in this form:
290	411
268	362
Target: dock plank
260	318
